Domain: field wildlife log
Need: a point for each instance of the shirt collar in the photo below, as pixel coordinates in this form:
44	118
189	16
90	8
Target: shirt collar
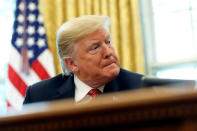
81	89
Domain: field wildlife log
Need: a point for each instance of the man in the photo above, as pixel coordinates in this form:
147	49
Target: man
88	61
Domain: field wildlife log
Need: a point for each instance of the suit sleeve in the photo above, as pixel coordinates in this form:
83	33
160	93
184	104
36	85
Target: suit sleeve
27	96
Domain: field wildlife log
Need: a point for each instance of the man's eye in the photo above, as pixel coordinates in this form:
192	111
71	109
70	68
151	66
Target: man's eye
107	41
94	47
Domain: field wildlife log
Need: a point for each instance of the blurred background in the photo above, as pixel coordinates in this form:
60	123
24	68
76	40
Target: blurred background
153	37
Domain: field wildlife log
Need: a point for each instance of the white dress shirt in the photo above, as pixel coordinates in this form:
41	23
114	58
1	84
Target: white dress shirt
82	89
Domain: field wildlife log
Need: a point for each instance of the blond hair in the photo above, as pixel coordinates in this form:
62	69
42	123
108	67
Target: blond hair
73	30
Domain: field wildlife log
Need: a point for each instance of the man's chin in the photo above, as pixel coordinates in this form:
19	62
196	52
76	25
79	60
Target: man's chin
112	72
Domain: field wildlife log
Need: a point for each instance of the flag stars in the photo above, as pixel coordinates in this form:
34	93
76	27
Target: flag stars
30	54
41	30
40	19
41	43
21	6
20	18
19	42
30	41
20	29
31	18
32	6
31	30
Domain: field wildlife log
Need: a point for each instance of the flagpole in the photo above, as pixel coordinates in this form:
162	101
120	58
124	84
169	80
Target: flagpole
24	55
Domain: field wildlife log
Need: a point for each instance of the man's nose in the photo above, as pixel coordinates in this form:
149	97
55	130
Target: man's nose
107	51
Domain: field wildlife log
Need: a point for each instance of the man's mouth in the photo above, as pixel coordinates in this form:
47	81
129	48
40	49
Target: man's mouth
109	63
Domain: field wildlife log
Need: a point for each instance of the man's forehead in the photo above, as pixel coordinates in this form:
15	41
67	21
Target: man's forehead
96	35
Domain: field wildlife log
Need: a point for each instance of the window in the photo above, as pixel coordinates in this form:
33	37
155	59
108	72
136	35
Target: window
170	37
6	23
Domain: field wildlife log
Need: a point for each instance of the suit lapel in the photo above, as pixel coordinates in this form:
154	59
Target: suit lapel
111	86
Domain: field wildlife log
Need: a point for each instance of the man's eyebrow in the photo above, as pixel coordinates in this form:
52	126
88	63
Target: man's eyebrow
93	42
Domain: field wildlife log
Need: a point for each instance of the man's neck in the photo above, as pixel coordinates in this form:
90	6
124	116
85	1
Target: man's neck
93	82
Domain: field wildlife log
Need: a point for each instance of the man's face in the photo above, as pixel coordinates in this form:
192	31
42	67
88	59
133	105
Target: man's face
94	57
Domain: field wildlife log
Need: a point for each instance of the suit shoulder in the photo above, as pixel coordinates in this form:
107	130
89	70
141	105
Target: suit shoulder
127	73
129	80
45	89
54	81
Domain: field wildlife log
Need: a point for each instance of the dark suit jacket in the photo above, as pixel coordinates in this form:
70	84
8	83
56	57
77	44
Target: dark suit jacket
61	87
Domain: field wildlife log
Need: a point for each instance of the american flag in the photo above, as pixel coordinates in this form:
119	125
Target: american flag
30	59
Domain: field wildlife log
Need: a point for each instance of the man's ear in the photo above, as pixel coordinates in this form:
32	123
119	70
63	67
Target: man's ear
71	64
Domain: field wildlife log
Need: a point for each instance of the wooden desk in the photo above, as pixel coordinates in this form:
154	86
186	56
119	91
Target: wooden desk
164	108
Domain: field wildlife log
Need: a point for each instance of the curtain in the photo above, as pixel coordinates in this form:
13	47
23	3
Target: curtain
125	26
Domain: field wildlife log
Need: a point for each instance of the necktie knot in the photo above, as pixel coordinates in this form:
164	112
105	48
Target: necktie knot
94	93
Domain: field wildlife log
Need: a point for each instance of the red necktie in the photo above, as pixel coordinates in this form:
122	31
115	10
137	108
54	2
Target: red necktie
94	93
